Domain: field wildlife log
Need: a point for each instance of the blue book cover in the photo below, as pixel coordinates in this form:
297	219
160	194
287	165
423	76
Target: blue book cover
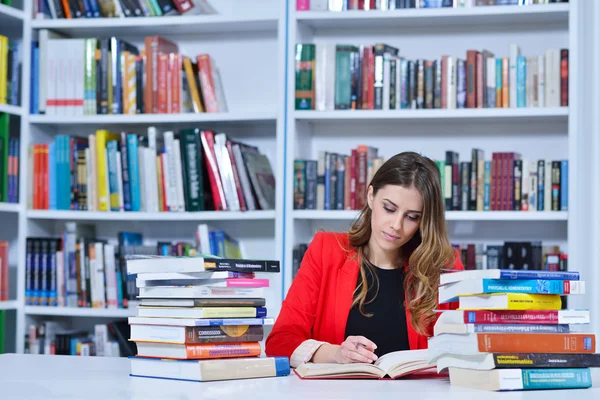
219	238
34	107
461	88
29	268
52	175
113	178
14	93
132	154
564	185
533	286
521	81
52	288
15	176
541	172
556	378
499	77
548	275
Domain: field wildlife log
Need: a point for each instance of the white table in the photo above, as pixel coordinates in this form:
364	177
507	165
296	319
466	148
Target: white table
32	377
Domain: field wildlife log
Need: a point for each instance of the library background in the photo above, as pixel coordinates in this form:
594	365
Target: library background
241	128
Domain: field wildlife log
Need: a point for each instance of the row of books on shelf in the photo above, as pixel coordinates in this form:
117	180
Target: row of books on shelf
507	182
78	269
58	337
173	323
9	159
510	255
342	76
191	170
386	5
56	9
74	77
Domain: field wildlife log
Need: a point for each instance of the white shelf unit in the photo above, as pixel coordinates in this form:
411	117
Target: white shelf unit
247	43
12	26
536	133
80	312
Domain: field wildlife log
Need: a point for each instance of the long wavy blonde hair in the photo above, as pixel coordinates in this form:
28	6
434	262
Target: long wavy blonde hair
428	251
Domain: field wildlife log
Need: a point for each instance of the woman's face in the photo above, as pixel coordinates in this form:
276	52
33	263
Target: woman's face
396	212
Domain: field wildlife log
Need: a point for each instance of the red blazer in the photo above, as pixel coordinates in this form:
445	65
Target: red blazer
319	300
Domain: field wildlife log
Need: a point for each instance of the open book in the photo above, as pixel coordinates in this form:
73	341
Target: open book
390	366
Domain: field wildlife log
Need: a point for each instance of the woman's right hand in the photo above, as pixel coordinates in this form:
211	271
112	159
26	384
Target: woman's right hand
356	349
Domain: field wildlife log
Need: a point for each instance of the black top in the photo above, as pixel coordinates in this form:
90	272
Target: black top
387	326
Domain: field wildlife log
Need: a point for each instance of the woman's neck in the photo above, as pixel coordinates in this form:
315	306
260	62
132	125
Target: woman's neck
383	259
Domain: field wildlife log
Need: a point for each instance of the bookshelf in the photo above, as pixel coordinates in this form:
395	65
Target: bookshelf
245	34
262	112
429	33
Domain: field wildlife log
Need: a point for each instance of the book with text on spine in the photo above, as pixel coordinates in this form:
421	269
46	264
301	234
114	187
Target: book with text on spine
450	292
522	379
510	301
210	370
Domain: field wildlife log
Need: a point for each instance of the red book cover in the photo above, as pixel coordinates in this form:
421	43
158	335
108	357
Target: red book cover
361	176
207	84
564	77
471	75
163	79
175	66
37	177
353	164
371	77
154	45
302	5
236	177
183	6
367	56
45	186
208	145
347	179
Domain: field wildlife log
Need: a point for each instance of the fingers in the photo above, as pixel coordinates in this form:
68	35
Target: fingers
359	349
355	356
361	340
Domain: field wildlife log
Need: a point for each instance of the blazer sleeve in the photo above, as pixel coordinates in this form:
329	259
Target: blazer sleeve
296	318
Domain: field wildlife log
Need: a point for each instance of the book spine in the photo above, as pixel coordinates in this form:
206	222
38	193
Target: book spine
522	317
218	350
521	328
523	274
553	360
533	286
559	378
536	343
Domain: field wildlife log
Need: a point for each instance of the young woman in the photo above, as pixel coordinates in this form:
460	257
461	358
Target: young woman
373	290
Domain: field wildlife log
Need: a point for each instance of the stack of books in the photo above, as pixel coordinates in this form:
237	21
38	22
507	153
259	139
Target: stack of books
510	333
206	313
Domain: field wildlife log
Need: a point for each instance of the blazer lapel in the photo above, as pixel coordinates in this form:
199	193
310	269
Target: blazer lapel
346	283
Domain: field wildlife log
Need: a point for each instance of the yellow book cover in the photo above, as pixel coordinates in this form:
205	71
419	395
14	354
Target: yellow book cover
159	178
3	68
102	136
510	301
129	84
190	73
